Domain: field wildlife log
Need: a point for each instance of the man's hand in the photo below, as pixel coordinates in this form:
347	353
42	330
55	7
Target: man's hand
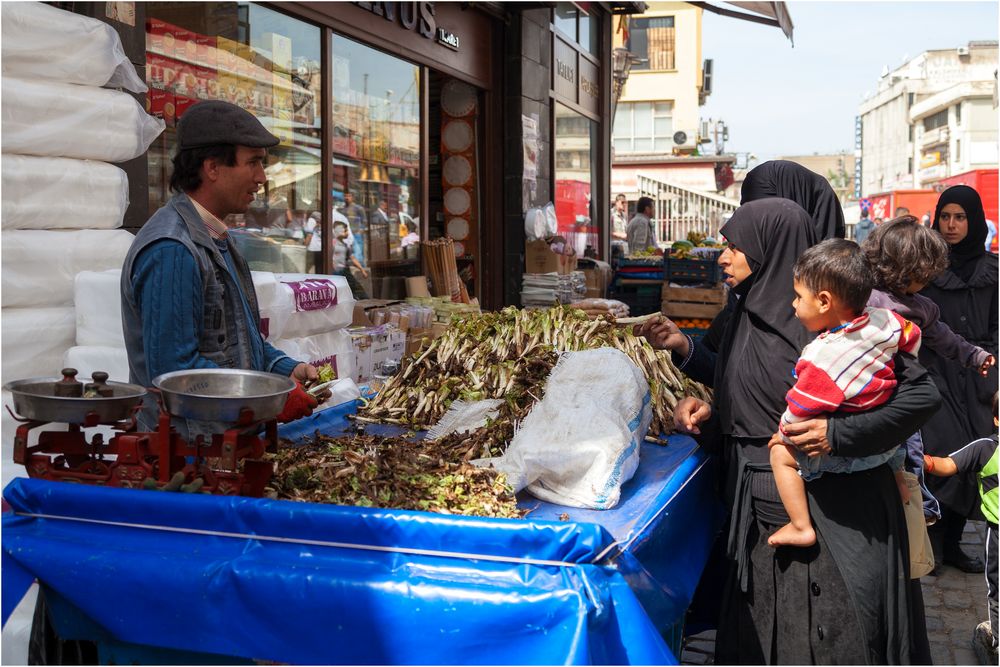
690	412
307	375
808	436
987	365
663	334
299	404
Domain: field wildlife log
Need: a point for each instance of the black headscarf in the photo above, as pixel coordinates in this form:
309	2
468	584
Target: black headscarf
966	253
781	178
763	338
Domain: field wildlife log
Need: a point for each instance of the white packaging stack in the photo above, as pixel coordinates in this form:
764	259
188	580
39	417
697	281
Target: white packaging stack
44	43
274	304
97	297
35	340
319	304
40	266
62	193
332	347
113	360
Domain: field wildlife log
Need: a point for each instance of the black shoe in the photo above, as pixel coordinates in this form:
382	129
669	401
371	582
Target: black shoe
984	644
964	562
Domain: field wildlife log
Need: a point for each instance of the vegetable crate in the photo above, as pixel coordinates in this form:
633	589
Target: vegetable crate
641	296
691	270
692	302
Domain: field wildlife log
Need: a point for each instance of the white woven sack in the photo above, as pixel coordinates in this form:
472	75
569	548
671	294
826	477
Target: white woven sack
275	305
580	443
40	267
41	42
88	359
61	193
34	341
315	304
64	120
97	297
332	347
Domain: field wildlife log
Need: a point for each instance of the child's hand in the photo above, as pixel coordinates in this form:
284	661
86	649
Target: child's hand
775	440
928	463
989	363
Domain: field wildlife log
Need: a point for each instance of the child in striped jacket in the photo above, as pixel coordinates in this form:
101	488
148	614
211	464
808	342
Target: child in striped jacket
848	367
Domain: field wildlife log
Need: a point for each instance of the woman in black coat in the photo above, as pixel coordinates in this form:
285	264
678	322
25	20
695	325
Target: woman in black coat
966	293
847	598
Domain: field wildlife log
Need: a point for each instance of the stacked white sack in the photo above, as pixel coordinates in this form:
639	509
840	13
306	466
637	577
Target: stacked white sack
319	304
35	340
44	43
61	193
97	296
332	347
66	120
275	305
39	267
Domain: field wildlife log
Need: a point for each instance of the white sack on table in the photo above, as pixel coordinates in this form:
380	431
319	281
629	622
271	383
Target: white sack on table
112	360
275	305
332	347
64	120
44	43
61	193
97	297
319	304
39	267
34	341
580	443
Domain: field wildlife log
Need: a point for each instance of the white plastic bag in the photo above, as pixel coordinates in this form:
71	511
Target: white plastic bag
64	120
62	193
319	304
34	341
41	42
275	305
534	224
580	443
40	267
551	222
97	297
332	347
87	359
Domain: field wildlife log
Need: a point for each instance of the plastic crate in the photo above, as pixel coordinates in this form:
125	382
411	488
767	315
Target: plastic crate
692	270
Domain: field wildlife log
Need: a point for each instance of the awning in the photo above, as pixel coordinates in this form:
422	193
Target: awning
768	13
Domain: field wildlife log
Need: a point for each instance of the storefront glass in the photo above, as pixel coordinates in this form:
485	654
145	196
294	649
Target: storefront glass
575	166
376	162
267	63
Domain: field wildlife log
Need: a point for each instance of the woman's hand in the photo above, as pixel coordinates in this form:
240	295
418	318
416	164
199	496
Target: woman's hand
984	370
690	412
663	334
808	436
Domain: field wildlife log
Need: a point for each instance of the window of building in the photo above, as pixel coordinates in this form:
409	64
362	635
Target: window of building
910	97
940	119
653	41
579	26
267	63
643	127
958	150
575	171
909	129
909	165
958	114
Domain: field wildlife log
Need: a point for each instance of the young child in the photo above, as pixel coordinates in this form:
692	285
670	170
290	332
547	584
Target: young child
905	256
848	367
980	456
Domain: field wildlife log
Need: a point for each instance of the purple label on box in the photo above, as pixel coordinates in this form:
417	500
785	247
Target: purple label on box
314	294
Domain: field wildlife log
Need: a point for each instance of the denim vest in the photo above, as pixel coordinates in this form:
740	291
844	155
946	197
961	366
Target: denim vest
225	336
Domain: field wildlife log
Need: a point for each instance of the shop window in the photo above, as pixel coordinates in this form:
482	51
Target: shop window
575	169
643	127
653	41
575	23
376	163
267	63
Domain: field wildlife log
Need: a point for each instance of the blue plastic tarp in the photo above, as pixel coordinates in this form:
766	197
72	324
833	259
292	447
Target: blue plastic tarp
322	584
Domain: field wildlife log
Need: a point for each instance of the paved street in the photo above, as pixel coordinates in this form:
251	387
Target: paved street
955	602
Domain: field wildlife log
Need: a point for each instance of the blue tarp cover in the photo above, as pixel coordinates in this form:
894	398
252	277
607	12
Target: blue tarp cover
324	584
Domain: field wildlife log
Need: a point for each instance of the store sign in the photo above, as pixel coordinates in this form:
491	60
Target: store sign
449	39
590	92
564	80
418	16
930	159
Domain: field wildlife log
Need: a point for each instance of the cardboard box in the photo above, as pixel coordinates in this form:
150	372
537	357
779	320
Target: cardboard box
598	275
361	356
416	338
539	258
364	309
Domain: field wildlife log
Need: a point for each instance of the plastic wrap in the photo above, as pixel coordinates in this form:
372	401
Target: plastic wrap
64	120
62	193
333	347
90	358
40	267
318	304
97	298
35	340
41	42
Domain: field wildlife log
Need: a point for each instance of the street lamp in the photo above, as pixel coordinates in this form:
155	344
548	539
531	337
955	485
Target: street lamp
621	62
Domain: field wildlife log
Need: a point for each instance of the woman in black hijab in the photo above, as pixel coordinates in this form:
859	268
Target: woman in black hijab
966	293
789	180
846	599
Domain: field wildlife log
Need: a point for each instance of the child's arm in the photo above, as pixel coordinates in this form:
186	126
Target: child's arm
939	337
940	466
813	394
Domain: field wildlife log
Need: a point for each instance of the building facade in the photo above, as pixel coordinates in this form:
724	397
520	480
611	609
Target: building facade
892	153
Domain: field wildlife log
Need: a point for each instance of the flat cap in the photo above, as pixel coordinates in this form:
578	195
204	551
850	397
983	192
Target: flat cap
215	122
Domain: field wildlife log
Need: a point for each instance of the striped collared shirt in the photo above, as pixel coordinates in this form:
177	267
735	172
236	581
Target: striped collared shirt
217	229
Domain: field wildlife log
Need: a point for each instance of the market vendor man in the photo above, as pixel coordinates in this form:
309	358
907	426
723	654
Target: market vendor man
188	299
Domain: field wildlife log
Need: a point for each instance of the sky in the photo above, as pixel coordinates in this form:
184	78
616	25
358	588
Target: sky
783	100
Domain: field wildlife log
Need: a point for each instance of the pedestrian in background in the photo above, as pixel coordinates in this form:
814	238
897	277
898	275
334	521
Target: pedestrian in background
641	234
619	225
863	228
